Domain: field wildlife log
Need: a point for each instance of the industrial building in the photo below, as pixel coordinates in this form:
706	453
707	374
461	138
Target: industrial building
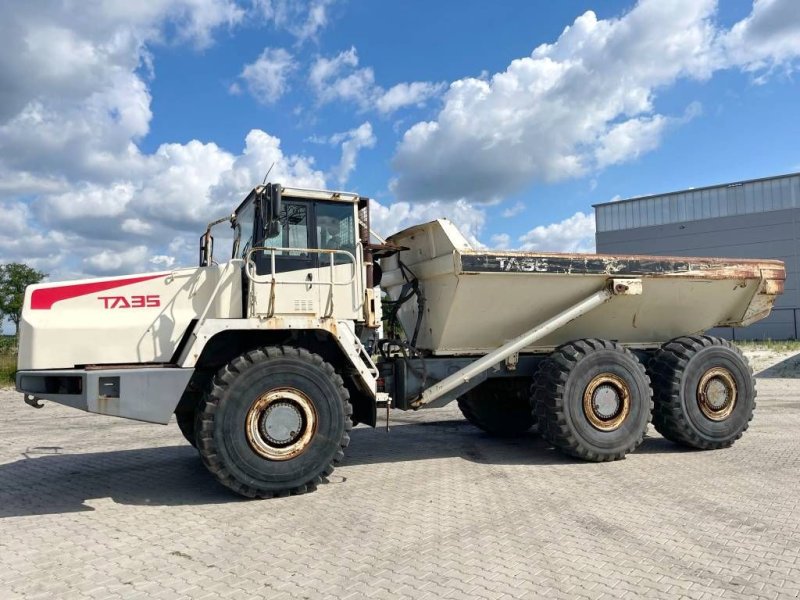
759	218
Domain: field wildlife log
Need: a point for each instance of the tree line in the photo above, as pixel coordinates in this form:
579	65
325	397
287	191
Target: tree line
14	278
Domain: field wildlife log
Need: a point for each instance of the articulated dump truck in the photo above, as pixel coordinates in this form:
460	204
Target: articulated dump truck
267	360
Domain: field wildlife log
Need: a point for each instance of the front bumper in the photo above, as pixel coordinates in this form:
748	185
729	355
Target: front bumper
144	394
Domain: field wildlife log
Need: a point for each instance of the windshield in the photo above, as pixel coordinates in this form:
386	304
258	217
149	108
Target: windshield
244	226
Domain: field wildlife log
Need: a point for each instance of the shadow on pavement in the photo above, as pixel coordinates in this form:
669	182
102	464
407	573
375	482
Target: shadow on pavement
174	475
458	438
788	368
61	483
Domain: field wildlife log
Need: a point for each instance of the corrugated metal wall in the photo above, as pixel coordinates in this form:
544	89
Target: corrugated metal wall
744	198
758	219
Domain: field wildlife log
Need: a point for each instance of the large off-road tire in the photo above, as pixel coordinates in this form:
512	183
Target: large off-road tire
592	399
499	406
186	421
705	392
275	422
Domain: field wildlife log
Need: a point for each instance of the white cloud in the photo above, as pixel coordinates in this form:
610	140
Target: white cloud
136	226
340	79
769	37
513	211
583	102
73	96
15	218
302	18
574	234
501	241
328	79
181	188
163	261
352	142
386	220
316	19
266	78
629	139
109	262
407	94
88	200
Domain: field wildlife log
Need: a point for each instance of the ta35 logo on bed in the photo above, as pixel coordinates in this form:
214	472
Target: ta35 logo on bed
152	301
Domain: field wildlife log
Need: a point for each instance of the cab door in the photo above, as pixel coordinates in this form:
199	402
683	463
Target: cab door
286	255
339	259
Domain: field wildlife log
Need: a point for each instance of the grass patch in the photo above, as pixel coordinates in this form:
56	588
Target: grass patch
8	367
8	359
772	345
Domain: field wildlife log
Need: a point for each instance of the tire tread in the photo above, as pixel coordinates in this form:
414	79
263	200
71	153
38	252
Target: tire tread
666	368
548	402
220	383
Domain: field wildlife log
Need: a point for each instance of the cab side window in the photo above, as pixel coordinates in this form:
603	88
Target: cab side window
293	234
245	222
336	227
292	231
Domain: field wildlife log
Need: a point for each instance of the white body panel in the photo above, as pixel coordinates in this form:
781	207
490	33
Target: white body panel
122	320
475	301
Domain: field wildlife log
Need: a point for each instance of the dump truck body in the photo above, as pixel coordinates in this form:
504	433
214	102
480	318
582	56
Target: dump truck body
476	300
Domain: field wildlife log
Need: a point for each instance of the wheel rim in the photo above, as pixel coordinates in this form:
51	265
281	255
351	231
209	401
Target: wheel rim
280	424
716	394
607	402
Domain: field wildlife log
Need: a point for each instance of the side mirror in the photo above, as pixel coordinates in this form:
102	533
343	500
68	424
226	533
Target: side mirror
270	203
274	199
206	249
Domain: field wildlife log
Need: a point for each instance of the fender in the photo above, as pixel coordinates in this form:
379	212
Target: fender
342	332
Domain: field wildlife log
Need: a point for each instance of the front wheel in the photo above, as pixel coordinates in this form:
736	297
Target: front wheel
275	422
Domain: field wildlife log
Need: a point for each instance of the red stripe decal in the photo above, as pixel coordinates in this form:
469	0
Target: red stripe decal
43	299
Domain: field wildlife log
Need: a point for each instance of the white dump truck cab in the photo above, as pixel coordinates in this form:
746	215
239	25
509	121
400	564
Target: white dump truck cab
305	254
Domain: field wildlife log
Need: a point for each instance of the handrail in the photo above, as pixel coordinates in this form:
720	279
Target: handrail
354	281
254	277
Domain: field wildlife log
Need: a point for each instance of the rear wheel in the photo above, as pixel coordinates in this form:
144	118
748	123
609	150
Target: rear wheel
275	422
592	399
704	392
499	406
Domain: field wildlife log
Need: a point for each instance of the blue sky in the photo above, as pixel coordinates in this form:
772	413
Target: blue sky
124	128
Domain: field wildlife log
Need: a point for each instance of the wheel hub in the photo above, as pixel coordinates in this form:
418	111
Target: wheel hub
607	401
716	394
280	424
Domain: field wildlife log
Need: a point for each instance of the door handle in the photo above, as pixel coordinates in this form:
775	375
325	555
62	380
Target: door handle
309	278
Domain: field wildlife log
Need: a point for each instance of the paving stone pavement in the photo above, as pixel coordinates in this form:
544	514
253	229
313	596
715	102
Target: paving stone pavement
99	508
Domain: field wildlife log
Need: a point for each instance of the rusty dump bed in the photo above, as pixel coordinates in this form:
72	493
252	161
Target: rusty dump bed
476	300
